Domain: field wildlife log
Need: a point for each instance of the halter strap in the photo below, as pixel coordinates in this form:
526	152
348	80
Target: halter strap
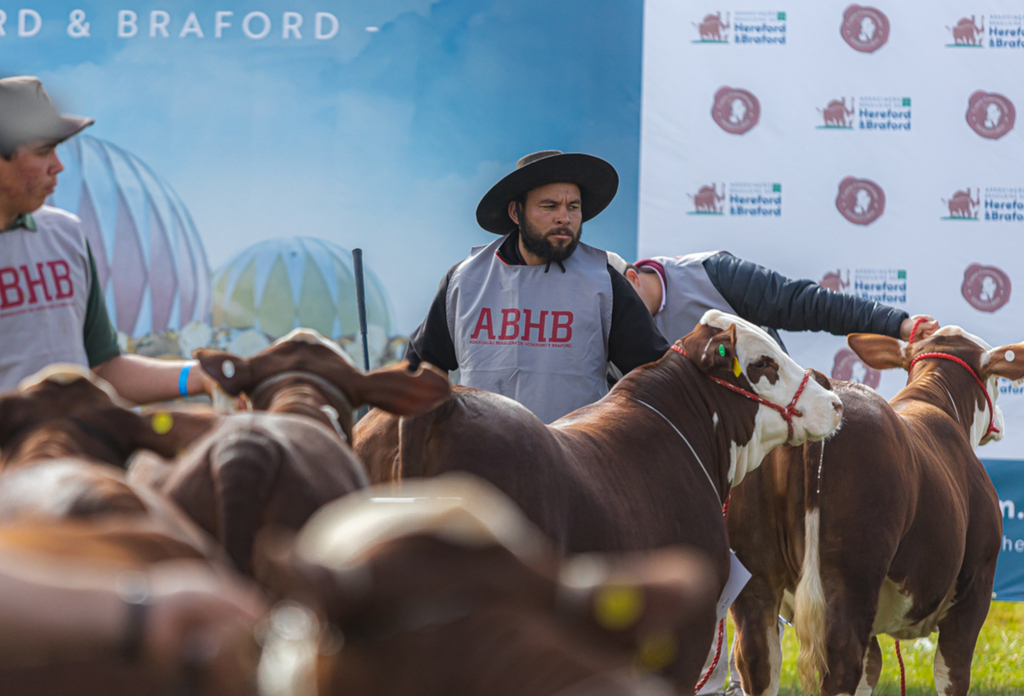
913	330
988	399
309	377
787	413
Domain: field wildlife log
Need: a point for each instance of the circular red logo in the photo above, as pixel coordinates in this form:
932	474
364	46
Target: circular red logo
735	110
849	367
861	201
990	115
986	288
866	29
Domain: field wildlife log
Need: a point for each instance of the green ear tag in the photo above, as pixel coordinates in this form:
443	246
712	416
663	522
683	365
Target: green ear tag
721	350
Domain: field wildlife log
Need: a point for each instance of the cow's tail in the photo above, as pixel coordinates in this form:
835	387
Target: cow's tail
413	432
809	610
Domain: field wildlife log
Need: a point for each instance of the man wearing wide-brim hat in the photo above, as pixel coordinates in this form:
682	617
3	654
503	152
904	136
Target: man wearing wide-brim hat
537	315
51	303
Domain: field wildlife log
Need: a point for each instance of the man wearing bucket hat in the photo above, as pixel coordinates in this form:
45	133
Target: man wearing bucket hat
51	305
537	315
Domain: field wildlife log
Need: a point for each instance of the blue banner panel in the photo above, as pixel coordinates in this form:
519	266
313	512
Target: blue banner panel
1008	477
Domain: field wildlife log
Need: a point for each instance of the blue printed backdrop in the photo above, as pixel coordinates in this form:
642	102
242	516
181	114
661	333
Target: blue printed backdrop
1008	477
383	136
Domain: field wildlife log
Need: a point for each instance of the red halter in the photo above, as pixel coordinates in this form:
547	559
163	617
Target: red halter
787	413
988	399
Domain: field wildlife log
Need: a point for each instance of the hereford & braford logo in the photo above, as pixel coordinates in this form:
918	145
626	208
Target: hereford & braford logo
962	206
998	203
754	27
986	288
874	114
885	285
735	110
990	115
866	29
861	201
745	199
848	366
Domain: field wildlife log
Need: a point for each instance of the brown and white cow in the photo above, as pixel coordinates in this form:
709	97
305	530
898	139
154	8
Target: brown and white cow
889	526
306	374
442	587
648	465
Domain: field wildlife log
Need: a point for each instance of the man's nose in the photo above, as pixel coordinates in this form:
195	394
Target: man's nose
56	166
562	213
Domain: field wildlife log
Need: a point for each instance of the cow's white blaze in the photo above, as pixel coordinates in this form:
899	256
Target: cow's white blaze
455	507
816	403
979	425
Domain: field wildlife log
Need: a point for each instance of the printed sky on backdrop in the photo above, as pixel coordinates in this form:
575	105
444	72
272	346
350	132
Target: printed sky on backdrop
382	139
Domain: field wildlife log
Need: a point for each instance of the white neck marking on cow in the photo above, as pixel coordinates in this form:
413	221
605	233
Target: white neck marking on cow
746	457
315	338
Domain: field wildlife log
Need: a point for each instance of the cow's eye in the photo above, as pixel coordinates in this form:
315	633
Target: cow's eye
764	363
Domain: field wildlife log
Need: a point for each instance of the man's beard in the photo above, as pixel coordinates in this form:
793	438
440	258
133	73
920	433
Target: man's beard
539	245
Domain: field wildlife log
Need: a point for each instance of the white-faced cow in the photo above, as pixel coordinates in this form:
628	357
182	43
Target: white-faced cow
648	465
890	526
441	587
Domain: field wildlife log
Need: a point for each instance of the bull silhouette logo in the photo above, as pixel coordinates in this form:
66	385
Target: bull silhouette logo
962	206
866	29
967	33
837	114
712	29
735	110
861	201
707	201
833	280
847	366
990	115
986	288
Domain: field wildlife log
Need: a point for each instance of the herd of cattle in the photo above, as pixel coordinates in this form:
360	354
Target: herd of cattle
592	560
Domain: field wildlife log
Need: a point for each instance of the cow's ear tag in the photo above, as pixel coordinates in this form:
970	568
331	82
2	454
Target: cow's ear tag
162	423
617	608
228	368
721	349
736	369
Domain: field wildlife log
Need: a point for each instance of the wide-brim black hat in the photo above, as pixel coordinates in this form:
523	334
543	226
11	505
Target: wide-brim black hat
597	179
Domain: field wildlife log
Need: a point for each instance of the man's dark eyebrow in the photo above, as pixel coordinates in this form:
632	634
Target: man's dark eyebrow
543	201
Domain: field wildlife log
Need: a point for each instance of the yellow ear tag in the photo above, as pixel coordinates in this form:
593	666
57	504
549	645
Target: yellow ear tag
736	369
162	423
617	608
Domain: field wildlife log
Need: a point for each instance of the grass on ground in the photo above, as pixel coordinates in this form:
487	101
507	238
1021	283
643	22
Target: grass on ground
998	668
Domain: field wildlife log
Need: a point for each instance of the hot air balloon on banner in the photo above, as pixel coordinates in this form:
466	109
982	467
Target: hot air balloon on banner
149	258
281	284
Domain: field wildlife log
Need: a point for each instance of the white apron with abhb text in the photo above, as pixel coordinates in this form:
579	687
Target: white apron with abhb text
538	337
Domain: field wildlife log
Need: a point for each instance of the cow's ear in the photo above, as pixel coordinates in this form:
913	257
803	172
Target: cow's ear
879	352
1007	361
651	602
711	353
396	390
232	373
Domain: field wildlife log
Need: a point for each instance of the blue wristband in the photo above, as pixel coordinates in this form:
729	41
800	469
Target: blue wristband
183	378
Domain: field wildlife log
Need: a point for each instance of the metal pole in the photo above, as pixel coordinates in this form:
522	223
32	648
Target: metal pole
357	263
357	267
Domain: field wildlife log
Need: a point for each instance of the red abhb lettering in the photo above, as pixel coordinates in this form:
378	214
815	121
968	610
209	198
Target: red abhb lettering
33	283
530	325
484	323
9	284
507	323
561	320
62	280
